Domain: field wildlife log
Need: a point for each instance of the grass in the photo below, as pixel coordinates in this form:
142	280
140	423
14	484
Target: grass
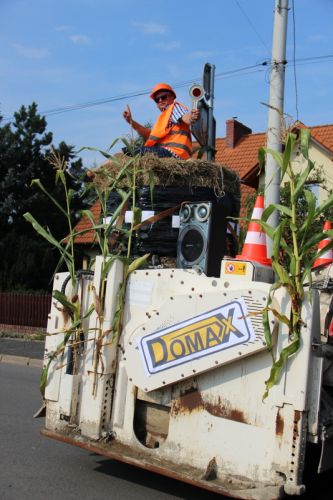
38	335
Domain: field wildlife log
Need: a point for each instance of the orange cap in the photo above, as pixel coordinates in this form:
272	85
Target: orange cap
162	86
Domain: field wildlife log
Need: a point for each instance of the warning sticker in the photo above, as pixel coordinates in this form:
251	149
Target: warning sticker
234	267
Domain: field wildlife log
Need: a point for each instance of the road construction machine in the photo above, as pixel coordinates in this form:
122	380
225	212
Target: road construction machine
178	389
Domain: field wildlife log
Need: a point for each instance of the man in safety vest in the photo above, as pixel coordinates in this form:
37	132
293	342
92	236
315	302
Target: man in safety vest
171	134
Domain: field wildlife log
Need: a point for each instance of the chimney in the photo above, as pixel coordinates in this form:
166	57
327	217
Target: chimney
234	131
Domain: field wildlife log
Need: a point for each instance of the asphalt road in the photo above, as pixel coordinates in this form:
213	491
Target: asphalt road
37	468
22	347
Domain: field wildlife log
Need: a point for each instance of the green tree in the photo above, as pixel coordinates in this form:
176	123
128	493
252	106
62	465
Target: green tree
25	146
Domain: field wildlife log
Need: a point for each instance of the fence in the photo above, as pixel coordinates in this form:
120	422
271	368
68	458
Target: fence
24	309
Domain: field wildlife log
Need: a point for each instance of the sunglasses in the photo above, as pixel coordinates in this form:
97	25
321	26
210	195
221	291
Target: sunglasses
162	97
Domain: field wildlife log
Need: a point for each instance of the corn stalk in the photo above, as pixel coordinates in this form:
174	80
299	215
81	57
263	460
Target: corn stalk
295	271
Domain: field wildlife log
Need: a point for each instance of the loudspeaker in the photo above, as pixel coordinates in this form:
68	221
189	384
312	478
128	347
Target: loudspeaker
202	237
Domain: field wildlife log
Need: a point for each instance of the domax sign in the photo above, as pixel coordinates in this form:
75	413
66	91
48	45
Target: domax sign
204	335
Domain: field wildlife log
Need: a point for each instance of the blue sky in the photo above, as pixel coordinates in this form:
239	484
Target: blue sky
65	52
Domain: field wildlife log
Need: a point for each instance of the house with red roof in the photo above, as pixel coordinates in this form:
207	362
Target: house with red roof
238	151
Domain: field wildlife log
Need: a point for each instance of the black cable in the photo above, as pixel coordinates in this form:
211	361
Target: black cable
225	74
252	25
97	102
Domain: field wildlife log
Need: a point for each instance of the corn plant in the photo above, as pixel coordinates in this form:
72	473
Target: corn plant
107	230
293	273
70	306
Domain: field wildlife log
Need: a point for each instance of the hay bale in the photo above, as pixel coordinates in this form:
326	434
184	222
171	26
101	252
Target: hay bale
169	172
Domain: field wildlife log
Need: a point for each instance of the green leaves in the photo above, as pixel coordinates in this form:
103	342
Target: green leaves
287	154
305	135
278	365
137	263
294	245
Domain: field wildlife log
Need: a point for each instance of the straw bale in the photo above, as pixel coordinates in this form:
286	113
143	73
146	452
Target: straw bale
169	172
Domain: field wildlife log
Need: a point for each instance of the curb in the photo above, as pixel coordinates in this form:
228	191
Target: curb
21	360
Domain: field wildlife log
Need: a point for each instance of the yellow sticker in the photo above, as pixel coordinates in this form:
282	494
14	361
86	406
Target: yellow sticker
202	335
234	267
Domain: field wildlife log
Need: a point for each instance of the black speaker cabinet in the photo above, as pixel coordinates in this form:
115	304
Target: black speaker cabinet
202	237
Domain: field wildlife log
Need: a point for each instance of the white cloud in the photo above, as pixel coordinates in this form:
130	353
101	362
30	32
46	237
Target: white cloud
169	45
151	28
31	52
80	39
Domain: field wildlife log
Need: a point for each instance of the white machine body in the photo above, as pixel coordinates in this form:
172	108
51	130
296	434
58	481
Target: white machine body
181	391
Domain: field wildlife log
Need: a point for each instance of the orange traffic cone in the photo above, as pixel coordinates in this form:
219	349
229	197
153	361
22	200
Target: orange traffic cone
254	247
327	257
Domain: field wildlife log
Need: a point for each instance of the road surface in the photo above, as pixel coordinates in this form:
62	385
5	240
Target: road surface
36	468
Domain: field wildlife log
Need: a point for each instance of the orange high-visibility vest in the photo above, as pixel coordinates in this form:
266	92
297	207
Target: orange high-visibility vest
176	138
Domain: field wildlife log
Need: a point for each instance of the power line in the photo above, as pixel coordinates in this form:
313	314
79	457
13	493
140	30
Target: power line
252	25
245	70
98	102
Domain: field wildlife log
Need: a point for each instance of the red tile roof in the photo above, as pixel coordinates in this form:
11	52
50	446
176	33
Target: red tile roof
84	224
244	156
324	135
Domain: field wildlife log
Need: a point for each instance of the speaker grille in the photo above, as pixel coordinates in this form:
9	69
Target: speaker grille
192	245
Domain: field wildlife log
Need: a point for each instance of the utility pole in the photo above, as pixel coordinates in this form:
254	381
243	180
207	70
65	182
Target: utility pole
275	111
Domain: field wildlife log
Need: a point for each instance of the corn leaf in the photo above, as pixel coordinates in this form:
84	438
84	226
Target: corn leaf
267	329
119	210
311	207
137	214
43	378
113	143
117	317
278	157
292	265
70	195
94	227
89	148
137	263
302	178
282	318
312	242
265	317
61	297
109	263
289	148
261	158
305	134
266	227
279	364
45	234
54	201
282	274
267	212
277	240
326	205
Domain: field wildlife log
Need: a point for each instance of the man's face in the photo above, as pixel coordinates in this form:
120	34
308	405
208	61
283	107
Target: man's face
163	99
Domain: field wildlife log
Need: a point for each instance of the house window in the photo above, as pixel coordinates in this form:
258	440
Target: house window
314	188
